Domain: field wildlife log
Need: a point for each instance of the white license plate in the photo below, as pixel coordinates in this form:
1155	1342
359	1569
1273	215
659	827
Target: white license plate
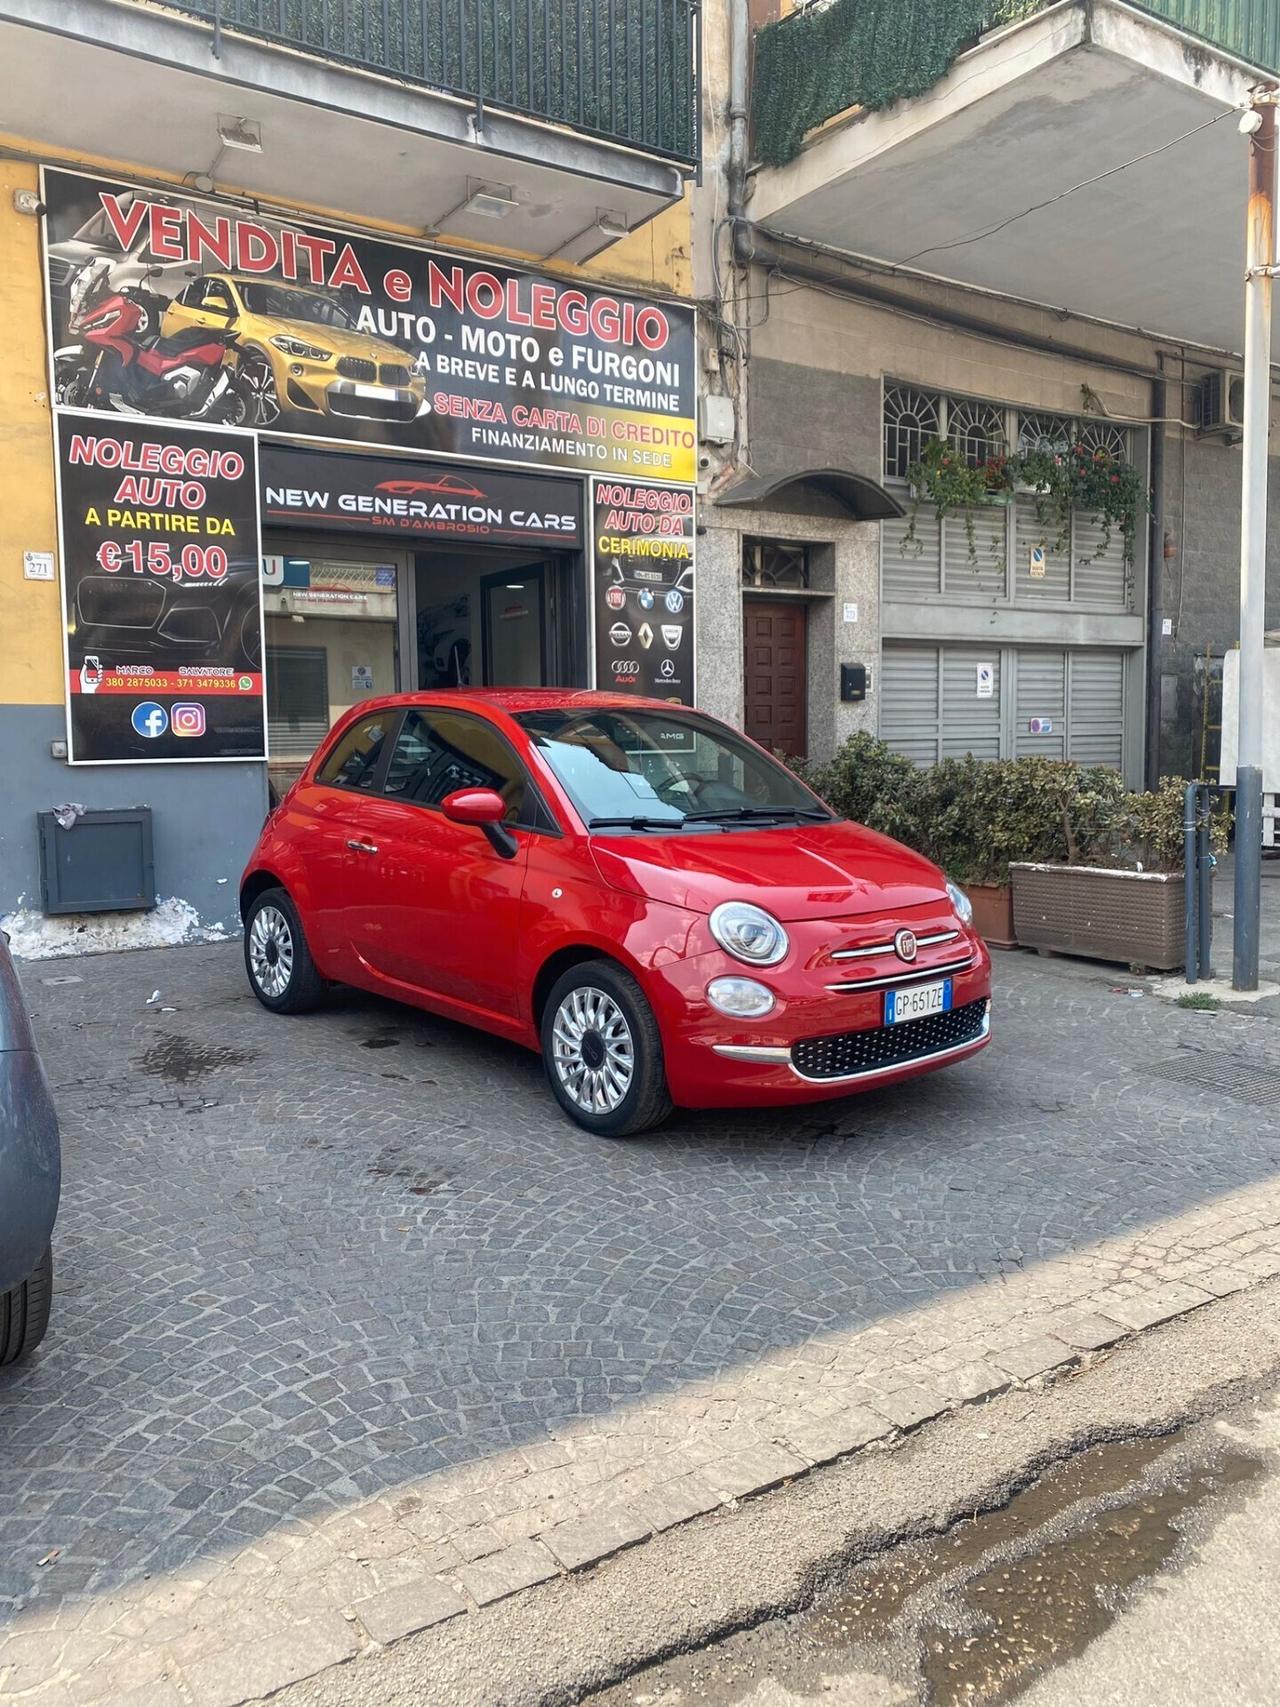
381	392
917	1003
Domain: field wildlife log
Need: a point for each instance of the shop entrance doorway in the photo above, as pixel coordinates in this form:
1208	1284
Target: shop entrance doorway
494	618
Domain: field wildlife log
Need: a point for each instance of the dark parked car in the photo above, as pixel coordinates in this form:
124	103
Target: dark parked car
30	1175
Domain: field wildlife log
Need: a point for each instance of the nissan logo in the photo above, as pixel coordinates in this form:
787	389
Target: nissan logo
905	945
625	667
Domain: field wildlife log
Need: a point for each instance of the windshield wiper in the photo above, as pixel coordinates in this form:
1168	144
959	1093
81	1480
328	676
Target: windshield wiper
637	823
723	813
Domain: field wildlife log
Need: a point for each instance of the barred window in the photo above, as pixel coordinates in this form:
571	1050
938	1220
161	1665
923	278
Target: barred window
911	419
976	430
1103	435
1052	433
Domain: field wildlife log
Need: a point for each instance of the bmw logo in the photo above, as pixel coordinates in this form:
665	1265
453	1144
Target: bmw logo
646	598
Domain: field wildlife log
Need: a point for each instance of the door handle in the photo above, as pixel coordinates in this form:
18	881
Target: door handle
363	847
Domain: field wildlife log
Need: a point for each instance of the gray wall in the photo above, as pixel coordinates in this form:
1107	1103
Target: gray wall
813	417
1202	514
205	817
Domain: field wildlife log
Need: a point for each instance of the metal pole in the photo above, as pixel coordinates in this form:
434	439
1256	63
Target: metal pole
1253	544
1191	885
1204	880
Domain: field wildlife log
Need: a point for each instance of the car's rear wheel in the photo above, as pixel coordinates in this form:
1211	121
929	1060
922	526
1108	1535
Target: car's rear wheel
603	1051
276	957
24	1312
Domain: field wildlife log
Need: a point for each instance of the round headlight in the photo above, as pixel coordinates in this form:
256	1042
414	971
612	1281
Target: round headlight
742	998
749	933
961	902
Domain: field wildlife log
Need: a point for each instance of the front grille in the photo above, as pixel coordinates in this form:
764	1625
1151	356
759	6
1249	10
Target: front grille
371	408
852	1052
354	367
389	374
60	269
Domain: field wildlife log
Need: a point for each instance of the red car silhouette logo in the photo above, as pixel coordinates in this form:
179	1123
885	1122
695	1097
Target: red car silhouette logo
451	485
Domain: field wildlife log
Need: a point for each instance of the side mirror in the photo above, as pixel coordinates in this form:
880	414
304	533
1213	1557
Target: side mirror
485	809
477	806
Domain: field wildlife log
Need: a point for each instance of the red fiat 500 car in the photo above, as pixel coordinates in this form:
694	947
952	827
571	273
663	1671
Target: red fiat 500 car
634	889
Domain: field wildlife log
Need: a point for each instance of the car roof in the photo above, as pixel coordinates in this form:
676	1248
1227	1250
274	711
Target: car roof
513	701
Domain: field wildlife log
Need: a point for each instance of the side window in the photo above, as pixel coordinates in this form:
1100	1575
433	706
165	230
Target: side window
193	295
440	751
216	291
353	763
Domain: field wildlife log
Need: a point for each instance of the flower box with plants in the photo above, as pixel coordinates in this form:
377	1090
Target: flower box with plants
1116	891
1076	478
1054	855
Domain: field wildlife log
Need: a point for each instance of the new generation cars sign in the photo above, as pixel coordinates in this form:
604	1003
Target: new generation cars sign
344	337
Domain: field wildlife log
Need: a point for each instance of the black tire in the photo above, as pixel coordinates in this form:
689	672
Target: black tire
24	1312
281	972
646	1101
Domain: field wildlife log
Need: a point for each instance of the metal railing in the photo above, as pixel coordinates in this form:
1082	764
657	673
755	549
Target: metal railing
624	70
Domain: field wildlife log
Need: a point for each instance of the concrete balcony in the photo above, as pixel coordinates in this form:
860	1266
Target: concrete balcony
580	121
1085	157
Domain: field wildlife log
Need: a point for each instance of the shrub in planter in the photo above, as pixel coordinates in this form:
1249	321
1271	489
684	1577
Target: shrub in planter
870	783
1120	894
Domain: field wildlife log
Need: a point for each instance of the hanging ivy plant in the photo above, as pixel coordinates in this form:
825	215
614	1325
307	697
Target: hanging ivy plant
950	484
1091	480
1077	479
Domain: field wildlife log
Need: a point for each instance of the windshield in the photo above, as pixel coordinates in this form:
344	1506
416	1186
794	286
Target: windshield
656	770
284	304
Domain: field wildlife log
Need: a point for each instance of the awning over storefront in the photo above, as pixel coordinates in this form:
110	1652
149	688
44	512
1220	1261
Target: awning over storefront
817	492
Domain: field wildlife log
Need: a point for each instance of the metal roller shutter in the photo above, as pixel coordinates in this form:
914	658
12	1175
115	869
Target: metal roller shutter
1095	708
1041	694
1055	583
1099	577
911	570
909	701
969	724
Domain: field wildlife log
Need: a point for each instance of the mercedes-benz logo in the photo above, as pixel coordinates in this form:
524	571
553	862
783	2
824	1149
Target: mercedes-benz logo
905	945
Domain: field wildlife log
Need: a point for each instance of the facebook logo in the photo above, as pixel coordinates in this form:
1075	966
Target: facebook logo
150	719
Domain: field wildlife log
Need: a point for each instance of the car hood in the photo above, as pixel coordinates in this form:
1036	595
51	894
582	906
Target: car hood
809	871
336	338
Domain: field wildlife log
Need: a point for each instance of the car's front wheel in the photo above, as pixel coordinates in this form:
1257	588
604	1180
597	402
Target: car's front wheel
24	1312
276	957
603	1051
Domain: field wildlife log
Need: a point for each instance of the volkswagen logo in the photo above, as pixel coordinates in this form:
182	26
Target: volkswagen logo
905	945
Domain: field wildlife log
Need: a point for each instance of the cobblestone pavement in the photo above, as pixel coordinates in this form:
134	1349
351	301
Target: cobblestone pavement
353	1332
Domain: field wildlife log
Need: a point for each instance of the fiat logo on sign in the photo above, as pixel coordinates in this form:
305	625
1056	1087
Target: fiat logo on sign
905	945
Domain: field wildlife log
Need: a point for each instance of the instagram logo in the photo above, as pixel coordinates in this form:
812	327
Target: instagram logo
187	719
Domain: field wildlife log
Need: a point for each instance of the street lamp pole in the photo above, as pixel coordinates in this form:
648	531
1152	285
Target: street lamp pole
1260	126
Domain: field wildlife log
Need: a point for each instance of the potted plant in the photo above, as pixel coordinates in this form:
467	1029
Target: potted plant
1117	891
965	828
949	483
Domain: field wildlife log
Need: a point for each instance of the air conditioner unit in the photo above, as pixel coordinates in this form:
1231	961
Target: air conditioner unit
1219	402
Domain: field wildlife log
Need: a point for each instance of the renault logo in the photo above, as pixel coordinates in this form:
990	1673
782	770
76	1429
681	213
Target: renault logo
905	945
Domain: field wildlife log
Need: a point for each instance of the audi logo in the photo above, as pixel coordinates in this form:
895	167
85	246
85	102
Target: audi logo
625	667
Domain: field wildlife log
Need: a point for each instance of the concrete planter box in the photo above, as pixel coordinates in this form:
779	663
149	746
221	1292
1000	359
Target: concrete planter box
993	913
1134	917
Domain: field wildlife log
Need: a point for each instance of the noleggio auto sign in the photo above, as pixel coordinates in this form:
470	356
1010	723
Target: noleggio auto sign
311	331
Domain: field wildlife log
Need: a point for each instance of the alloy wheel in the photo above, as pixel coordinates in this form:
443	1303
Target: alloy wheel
271	951
256	379
593	1051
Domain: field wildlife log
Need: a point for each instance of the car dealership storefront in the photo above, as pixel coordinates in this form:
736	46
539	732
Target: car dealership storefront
298	467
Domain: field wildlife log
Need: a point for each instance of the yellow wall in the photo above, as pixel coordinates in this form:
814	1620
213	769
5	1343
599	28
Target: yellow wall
656	257
30	611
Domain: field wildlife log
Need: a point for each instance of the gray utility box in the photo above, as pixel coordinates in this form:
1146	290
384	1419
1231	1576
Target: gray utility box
103	864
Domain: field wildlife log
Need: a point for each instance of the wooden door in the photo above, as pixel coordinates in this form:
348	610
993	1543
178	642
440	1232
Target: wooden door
774	633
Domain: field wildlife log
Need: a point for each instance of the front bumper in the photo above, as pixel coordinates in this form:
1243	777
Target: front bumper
818	1043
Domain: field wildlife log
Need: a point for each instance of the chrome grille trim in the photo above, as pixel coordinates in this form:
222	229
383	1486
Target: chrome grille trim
887	947
916	975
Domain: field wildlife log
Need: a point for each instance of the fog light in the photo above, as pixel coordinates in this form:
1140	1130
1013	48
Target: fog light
742	998
296	368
